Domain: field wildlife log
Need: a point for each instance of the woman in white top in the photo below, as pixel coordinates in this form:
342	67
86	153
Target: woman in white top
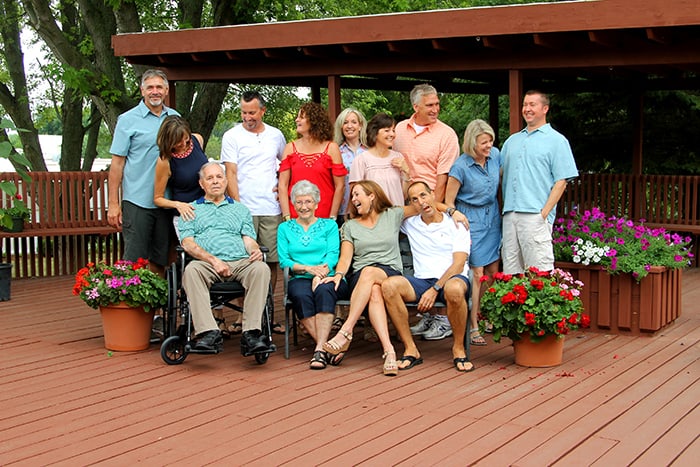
380	163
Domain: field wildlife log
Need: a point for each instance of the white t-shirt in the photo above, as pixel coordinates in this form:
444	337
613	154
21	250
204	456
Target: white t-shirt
257	156
432	245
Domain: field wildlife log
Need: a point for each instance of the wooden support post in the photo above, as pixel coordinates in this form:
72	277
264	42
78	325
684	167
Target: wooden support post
316	94
334	104
493	117
170	99
637	113
515	97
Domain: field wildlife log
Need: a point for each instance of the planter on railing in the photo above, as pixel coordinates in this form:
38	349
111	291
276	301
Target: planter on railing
618	303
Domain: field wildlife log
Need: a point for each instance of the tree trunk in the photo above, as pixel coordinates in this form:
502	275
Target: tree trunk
72	142
17	104
93	133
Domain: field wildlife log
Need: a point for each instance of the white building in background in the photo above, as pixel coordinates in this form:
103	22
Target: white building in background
51	147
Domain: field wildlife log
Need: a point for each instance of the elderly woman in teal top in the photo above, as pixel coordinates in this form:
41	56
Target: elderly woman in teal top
472	188
309	247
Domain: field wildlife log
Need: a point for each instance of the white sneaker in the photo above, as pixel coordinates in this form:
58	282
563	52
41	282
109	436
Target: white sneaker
439	329
423	325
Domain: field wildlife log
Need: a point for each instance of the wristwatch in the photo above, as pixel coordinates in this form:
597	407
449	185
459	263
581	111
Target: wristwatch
436	287
450	211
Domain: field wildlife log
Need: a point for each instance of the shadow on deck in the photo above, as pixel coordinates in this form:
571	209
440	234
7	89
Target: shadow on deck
65	400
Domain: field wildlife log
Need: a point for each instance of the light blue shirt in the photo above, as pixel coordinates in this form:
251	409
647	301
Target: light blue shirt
348	156
135	138
532	163
219	228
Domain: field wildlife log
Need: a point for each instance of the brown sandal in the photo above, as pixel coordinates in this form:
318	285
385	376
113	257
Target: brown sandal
333	348
391	367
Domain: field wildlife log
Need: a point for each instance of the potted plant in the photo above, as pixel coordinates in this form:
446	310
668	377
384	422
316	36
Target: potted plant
12	218
537	307
633	272
126	294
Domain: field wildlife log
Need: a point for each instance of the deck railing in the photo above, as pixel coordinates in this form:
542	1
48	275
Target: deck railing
669	201
67	225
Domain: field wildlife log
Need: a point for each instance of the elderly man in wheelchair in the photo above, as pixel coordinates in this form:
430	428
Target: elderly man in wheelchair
221	241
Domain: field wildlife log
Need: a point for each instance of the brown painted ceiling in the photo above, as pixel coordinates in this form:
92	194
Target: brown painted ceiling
567	46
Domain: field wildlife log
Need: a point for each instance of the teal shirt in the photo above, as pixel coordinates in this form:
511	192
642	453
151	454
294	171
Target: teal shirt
320	244
532	162
219	228
135	139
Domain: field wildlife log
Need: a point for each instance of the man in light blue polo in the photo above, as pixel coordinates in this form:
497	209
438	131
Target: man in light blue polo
146	228
537	164
221	239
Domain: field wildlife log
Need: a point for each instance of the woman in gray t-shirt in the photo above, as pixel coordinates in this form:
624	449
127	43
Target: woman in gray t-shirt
370	242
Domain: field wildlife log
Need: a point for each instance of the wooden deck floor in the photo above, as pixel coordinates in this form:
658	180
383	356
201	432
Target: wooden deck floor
64	400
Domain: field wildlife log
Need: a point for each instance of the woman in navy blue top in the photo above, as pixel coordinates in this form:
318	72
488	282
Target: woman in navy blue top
177	169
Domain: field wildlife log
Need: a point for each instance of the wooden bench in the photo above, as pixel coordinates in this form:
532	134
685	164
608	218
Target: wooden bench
290	320
67	226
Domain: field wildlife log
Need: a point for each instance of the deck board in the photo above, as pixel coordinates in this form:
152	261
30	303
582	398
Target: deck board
65	400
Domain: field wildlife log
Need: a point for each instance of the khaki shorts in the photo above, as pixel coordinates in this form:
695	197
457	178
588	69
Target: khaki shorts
527	241
266	230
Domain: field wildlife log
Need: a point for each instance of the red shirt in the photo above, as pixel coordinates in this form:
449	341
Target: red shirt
319	169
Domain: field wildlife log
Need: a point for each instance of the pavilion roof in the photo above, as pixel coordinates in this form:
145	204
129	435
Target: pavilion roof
563	46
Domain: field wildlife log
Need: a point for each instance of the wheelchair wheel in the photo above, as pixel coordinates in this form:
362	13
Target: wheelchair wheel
261	358
173	309
173	350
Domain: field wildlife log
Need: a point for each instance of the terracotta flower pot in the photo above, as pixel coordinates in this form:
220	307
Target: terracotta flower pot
126	328
547	352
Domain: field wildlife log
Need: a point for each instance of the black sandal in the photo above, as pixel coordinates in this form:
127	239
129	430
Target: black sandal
319	357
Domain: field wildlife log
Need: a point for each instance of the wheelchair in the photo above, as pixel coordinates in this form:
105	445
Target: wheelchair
178	331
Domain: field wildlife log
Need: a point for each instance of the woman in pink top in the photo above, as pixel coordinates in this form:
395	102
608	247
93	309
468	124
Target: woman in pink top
313	157
380	163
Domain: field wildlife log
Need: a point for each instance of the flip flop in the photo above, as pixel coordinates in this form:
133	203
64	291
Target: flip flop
277	328
413	361
475	338
464	361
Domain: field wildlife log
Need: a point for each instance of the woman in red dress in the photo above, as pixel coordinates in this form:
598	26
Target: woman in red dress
313	156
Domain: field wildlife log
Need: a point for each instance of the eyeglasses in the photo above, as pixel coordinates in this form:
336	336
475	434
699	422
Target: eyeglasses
305	202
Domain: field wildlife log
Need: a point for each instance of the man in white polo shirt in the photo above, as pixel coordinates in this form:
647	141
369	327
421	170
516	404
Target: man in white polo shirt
440	251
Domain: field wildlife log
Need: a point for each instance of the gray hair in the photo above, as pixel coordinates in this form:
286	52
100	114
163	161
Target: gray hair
338	135
305	188
148	74
420	90
474	130
209	164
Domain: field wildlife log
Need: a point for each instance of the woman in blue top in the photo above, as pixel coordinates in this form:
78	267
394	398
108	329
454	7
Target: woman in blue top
181	157
309	246
472	188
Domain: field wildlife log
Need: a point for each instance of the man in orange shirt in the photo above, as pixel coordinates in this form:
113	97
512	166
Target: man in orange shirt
429	146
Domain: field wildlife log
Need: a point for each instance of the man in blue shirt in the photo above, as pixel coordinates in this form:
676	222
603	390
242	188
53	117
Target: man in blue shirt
221	239
145	227
537	164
